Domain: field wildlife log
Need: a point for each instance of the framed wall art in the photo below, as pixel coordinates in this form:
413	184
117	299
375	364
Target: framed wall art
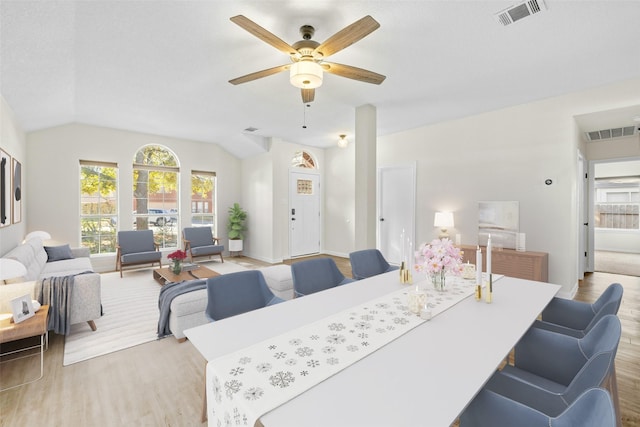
5	189
16	190
501	220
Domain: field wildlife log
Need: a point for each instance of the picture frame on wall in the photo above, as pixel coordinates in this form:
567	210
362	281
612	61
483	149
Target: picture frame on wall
16	190
22	308
5	188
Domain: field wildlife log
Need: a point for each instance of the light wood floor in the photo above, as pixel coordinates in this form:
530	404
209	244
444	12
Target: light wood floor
160	383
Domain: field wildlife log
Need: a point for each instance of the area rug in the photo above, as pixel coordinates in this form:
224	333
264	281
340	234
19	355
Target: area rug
130	314
627	264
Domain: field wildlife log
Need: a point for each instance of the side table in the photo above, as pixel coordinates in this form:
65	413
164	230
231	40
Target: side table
36	325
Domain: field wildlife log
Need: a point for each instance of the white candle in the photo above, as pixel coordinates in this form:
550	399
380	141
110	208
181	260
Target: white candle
489	256
478	266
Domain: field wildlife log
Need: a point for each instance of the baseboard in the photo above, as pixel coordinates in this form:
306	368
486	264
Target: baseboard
568	295
259	258
338	254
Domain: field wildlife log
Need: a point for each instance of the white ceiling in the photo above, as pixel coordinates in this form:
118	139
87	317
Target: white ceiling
162	67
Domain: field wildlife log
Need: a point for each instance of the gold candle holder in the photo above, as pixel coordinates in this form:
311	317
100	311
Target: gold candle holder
489	294
405	274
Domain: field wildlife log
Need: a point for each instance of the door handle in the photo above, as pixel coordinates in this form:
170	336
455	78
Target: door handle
381	219
293	219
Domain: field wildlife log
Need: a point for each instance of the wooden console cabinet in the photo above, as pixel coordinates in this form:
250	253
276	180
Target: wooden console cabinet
523	265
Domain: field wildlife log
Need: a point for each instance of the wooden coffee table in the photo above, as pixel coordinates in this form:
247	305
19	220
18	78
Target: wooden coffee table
165	275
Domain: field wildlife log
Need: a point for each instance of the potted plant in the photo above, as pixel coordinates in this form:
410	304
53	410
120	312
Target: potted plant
236	227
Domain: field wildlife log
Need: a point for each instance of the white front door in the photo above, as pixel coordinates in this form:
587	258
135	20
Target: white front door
396	212
304	213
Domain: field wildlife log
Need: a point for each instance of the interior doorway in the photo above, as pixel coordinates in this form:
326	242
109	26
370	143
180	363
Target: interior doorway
615	201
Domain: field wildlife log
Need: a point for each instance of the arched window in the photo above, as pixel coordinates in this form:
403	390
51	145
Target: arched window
302	159
156	193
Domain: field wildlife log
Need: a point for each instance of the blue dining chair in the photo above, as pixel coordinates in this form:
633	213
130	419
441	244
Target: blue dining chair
316	275
576	318
593	408
236	293
367	263
551	370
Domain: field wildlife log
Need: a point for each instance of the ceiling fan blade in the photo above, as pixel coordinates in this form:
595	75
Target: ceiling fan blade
347	36
308	95
354	73
264	35
259	74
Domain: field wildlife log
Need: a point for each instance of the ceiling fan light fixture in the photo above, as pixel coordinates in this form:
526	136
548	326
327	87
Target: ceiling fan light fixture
306	74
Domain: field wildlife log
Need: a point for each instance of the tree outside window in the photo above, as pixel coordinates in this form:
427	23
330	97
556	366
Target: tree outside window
156	194
98	206
203	196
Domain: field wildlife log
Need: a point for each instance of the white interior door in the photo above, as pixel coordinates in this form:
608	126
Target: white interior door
304	213
396	211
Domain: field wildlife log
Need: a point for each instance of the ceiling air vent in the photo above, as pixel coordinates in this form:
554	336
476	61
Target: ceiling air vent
519	11
599	135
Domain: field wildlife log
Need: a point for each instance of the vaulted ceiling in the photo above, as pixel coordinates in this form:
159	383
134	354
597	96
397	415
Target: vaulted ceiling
162	67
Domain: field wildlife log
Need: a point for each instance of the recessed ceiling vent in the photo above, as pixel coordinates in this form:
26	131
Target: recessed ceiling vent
599	135
520	11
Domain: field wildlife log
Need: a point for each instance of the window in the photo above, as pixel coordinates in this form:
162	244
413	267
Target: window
98	206
302	159
617	203
203	197
156	194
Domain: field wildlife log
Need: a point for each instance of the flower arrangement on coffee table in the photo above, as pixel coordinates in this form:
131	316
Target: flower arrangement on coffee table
177	257
438	258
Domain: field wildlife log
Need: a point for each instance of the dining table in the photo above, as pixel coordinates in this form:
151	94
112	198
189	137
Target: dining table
424	377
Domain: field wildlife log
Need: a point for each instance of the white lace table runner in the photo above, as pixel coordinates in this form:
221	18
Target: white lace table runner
244	385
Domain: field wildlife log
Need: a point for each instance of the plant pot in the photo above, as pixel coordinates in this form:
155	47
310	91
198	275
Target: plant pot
235	245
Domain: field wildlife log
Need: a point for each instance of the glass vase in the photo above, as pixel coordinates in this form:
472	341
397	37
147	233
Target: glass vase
439	280
176	268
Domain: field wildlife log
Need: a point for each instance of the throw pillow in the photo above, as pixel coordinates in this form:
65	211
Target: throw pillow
58	253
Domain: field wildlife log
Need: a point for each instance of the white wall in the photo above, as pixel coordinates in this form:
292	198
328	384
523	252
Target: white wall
340	201
13	142
53	176
507	155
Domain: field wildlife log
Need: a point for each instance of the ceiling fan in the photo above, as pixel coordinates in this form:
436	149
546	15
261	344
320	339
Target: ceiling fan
308	56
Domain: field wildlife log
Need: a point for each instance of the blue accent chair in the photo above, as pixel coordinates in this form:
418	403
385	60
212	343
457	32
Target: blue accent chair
576	318
237	293
316	275
551	370
367	263
593	408
136	247
199	241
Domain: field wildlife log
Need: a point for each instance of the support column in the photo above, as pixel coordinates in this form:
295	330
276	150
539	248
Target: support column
365	174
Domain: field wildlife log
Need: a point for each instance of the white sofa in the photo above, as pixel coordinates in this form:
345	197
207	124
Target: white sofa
85	303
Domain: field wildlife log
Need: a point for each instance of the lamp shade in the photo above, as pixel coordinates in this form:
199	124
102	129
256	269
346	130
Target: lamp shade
42	235
443	219
10	269
305	74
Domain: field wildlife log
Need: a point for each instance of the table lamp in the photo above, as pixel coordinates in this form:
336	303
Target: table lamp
42	235
443	220
10	269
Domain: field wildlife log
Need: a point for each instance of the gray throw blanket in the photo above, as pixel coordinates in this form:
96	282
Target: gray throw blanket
56	292
168	292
